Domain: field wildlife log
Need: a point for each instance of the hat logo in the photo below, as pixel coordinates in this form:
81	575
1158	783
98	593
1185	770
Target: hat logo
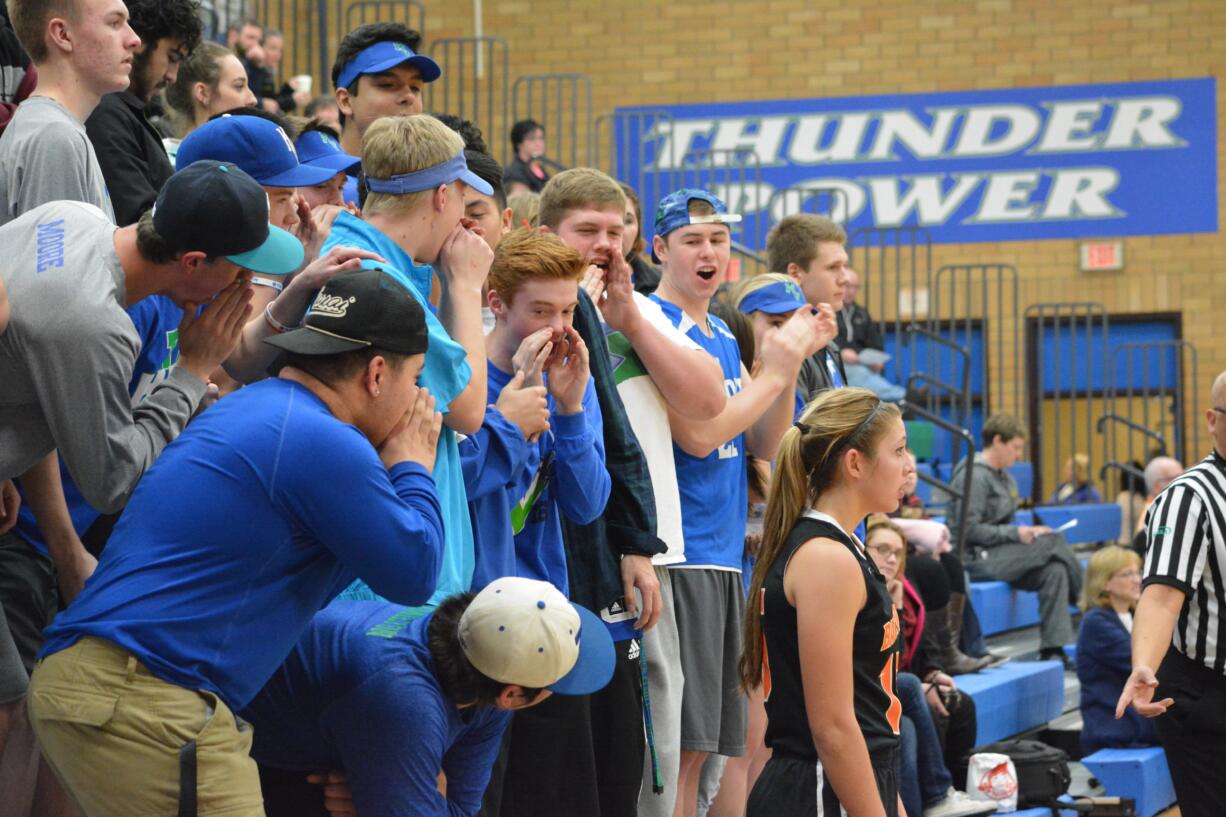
794	290
285	138
331	306
329	141
403	49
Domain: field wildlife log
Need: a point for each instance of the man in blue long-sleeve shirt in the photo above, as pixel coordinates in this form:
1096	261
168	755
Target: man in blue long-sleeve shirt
393	699
534	290
258	515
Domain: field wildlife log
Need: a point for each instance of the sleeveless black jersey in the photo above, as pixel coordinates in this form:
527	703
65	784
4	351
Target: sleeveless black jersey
876	652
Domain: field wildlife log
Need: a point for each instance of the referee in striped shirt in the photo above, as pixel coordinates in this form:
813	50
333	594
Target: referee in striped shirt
1183	605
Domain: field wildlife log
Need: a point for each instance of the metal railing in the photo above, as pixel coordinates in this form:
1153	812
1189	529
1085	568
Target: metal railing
1082	328
1162	372
831	202
475	86
626	145
963	294
562	103
895	266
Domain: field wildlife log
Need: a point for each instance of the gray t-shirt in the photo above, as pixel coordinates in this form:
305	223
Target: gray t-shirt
67	356
45	155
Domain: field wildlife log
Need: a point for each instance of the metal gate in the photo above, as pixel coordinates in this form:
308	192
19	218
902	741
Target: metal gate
474	86
1071	385
976	306
562	103
736	177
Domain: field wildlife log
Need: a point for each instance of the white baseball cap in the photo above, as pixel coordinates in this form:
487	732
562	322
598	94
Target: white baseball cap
522	631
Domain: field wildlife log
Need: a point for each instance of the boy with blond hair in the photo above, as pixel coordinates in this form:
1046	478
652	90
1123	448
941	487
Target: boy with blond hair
416	174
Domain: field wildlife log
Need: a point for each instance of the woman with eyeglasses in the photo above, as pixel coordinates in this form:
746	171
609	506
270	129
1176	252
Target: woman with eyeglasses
1104	651
939	722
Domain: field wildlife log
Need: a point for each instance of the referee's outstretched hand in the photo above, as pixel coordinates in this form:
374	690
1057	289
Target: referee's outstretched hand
1139	691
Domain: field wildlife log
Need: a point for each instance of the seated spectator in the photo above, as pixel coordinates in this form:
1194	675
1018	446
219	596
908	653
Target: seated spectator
183	623
526	173
1104	652
525	209
1027	557
858	332
1076	488
930	540
129	148
319	146
1159	473
416	174
644	276
395	700
290	96
211	81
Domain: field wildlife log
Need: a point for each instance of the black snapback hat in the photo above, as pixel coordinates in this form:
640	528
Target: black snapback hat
361	309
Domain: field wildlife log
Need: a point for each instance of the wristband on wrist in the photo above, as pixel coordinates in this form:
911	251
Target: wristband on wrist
271	283
273	323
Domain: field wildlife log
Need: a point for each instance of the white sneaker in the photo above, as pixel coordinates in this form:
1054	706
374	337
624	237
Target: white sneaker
959	804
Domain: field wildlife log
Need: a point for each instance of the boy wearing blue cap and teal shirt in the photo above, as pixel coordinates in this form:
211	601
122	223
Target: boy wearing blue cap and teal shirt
693	241
395	700
307	481
417	175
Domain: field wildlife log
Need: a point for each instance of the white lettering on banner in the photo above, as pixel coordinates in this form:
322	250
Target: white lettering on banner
962	131
925	198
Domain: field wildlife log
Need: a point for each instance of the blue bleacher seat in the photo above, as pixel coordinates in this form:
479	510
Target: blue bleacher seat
1015	697
1095	523
922	489
1141	774
1001	608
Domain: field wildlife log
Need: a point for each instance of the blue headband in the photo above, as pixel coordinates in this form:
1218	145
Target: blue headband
454	169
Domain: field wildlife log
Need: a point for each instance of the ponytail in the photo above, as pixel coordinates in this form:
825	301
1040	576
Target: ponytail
806	466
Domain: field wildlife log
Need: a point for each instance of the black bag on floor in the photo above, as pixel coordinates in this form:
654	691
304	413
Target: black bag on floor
1042	771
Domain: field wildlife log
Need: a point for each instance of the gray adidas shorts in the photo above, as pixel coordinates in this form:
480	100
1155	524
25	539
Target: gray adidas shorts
710	608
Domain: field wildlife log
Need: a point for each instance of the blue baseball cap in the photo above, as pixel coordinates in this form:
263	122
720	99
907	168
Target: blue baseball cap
216	208
383	56
259	147
774	299
674	210
318	149
454	169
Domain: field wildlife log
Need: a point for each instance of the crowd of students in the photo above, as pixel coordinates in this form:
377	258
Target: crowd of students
346	487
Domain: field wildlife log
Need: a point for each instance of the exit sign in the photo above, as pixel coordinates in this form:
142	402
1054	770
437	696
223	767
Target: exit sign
1102	256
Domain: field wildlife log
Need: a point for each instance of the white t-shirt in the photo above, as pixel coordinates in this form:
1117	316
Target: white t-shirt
648	414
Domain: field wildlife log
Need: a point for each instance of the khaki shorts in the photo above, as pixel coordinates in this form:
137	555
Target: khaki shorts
127	744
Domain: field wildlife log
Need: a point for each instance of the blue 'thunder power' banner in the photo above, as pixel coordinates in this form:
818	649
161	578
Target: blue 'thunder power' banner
1137	158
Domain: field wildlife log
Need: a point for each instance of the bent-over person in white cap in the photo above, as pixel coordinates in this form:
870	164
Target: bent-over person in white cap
394	699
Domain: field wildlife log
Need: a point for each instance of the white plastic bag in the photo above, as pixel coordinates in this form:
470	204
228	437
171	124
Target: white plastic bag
993	777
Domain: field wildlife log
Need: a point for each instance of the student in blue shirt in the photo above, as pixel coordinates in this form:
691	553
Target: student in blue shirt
533	293
417	176
692	241
393	699
260	513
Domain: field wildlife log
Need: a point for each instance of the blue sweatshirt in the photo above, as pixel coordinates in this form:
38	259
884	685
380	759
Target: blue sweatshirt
565	472
496	468
263	510
359	693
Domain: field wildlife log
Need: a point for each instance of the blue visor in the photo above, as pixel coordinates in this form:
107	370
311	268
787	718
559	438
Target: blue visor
594	667
774	299
316	149
454	169
385	56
